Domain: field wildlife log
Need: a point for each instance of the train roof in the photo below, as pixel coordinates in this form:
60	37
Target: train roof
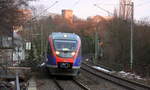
60	35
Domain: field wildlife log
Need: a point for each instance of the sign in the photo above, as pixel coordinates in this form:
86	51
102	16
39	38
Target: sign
28	45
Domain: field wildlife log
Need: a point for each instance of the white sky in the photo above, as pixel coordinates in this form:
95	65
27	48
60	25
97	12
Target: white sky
86	8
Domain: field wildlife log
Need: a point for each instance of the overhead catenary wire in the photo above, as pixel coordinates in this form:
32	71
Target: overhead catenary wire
76	3
141	4
109	13
42	12
46	9
138	5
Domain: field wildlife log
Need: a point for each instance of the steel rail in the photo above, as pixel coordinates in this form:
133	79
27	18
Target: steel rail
115	79
73	81
57	83
85	87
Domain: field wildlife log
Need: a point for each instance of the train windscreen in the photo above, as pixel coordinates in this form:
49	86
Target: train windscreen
65	45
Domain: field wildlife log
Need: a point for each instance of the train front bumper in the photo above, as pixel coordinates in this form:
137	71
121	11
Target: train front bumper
55	70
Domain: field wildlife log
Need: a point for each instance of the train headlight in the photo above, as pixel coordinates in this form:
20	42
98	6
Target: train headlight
65	36
73	53
57	52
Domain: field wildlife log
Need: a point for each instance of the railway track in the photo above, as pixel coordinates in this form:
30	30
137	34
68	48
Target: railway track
129	85
85	87
58	84
70	84
45	81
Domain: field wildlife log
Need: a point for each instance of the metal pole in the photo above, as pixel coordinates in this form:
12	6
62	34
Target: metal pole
41	40
12	46
131	41
96	46
17	82
18	56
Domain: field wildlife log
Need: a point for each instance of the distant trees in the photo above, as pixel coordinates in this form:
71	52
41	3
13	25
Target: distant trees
9	14
38	31
142	48
117	46
114	34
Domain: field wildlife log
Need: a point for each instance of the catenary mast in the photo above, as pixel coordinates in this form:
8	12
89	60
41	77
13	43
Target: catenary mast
125	9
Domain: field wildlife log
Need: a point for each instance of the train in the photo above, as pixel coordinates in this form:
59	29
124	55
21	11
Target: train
64	54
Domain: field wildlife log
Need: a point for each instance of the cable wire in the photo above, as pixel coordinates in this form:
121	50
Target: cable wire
43	11
141	4
109	13
77	2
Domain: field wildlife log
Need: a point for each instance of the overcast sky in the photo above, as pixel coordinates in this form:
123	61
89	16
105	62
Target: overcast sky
86	8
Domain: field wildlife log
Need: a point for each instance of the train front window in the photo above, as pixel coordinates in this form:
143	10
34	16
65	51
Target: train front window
65	45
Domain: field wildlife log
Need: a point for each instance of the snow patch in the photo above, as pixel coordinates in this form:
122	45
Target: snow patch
101	69
87	59
42	65
120	73
129	75
12	82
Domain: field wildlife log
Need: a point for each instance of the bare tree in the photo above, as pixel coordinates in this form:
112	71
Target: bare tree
10	15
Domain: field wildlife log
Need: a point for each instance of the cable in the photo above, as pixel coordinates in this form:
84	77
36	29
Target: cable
43	11
77	2
46	9
109	13
139	5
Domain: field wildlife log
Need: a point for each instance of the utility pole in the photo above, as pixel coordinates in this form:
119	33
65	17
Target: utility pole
125	9
127	12
131	41
41	39
96	45
12	45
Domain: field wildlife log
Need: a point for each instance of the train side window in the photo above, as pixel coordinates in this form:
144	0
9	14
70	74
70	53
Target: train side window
49	50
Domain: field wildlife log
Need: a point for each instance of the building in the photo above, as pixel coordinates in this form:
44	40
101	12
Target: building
98	18
5	57
68	15
19	49
26	14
